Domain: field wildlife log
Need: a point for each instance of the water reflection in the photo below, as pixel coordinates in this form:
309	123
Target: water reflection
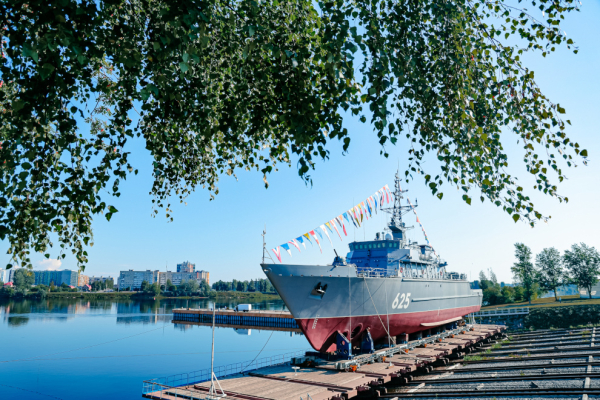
17	313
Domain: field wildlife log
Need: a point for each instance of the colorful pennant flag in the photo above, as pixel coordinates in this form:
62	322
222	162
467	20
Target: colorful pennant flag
332	223
287	248
341	222
295	244
316	240
328	225
307	236
318	233
327	234
364	209
422	228
277	252
301	240
356	215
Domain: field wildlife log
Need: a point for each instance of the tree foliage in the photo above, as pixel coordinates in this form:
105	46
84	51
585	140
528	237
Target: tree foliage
583	263
190	286
550	273
524	272
23	279
217	86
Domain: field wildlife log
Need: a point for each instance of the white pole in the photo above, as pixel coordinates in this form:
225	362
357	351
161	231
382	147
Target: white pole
212	355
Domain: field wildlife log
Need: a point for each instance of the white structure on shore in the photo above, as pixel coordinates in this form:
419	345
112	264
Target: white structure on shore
133	279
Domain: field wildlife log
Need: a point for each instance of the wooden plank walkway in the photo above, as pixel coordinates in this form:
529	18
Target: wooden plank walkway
247	319
326	381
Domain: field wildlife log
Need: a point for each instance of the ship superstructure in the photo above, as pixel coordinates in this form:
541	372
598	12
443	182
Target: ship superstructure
388	286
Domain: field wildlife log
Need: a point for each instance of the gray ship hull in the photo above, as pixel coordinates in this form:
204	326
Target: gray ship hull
325	300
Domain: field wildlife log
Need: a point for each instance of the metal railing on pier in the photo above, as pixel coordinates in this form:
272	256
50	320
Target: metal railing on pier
203	375
502	312
237	318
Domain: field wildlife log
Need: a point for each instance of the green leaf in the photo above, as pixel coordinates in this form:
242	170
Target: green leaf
28	51
46	70
583	153
184	66
516	217
17	105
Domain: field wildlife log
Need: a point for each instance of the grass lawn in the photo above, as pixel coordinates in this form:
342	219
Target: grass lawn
574	300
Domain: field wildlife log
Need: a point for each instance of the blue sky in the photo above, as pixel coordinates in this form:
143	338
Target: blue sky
224	236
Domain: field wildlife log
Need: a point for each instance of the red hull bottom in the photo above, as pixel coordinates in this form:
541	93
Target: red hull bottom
321	332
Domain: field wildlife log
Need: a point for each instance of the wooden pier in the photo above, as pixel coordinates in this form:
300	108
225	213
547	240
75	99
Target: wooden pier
304	377
239	319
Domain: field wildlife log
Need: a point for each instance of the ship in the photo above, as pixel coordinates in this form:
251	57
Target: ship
387	287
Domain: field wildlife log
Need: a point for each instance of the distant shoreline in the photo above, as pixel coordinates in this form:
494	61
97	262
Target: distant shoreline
142	296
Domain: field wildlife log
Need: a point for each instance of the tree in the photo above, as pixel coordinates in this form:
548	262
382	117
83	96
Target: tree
170	287
583	263
523	270
484	283
144	286
189	286
508	295
52	287
447	76
519	294
491	296
23	279
550	274
240	286
493	278
153	289
204	288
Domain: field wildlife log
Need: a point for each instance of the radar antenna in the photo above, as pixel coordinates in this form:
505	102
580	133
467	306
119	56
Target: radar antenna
396	225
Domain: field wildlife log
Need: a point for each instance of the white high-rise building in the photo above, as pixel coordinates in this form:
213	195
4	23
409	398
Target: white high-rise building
133	279
6	275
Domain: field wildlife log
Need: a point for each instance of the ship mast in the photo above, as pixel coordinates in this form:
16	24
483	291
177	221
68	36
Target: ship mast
396	225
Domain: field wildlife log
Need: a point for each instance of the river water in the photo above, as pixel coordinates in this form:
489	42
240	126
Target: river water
102	349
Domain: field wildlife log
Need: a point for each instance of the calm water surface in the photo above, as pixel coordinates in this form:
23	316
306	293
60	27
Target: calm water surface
102	349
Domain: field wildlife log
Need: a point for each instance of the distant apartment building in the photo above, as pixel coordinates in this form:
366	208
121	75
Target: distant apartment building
133	279
176	278
203	276
65	276
83	280
6	275
186	266
100	279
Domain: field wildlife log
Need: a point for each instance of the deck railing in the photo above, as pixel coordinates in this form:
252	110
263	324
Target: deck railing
203	375
411	273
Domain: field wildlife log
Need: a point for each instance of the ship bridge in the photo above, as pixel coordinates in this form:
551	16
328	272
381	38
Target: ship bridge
390	258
